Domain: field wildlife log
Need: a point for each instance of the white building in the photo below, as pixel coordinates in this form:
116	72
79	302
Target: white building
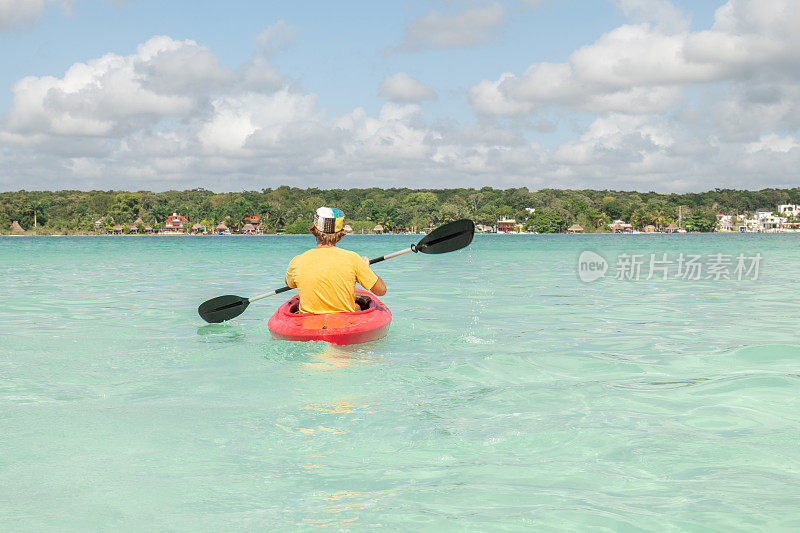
791	210
506	225
725	222
763	221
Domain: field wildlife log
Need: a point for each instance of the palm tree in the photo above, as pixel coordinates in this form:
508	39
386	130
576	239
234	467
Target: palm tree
36	207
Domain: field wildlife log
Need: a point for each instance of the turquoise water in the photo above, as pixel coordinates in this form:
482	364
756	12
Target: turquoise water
509	395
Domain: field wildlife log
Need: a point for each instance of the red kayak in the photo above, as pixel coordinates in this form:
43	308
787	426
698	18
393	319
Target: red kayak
369	324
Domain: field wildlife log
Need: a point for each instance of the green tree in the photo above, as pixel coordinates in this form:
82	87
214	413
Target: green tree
700	221
160	212
546	221
298	227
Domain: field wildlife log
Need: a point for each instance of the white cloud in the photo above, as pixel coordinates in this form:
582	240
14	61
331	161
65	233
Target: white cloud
24	14
253	123
488	98
169	115
17	14
112	95
661	13
403	88
772	143
653	61
630	69
436	29
258	74
275	38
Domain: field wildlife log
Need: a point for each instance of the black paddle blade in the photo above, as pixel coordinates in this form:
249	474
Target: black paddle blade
448	238
222	308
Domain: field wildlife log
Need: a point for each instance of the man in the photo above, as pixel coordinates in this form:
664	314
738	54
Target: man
326	276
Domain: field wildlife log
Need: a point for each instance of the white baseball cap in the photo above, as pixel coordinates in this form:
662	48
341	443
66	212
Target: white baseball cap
329	220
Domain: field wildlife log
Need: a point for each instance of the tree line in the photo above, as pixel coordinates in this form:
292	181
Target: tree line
290	209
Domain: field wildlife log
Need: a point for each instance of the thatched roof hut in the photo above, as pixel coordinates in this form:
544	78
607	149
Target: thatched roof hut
249	229
377	229
148	229
620	226
650	228
139	221
672	228
221	227
347	228
575	228
133	228
15	227
117	230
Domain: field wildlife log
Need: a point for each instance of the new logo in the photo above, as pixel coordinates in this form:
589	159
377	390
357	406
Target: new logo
591	266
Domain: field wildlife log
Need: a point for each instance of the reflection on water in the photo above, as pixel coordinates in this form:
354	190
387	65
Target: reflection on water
221	333
333	356
329	423
348	508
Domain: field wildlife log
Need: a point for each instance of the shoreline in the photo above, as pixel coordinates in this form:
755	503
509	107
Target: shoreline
156	235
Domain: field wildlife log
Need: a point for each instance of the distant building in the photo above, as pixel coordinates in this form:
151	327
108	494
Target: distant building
16	228
620	226
791	210
197	228
575	228
222	229
725	222
377	229
672	228
174	223
254	221
769	221
506	225
347	229
764	220
484	228
649	228
248	229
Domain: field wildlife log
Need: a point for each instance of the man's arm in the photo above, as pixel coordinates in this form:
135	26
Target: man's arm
379	289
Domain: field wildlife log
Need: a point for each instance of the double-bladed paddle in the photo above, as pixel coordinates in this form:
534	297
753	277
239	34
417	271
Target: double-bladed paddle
447	238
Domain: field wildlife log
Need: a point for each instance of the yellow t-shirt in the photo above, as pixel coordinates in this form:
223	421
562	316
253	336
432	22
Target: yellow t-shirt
326	279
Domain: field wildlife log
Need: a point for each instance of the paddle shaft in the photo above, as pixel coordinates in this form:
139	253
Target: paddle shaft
371	261
389	256
270	293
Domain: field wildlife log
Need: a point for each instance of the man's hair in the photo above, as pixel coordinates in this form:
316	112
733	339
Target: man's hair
326	238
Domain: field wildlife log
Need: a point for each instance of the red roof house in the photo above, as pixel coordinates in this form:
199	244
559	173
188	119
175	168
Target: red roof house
254	220
175	222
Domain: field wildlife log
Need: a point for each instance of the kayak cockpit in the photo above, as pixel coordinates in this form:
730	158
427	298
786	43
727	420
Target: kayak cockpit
363	302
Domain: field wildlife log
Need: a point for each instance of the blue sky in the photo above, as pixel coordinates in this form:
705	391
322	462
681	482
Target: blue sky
537	93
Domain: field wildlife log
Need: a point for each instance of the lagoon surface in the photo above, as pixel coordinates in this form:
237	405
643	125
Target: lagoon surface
508	395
